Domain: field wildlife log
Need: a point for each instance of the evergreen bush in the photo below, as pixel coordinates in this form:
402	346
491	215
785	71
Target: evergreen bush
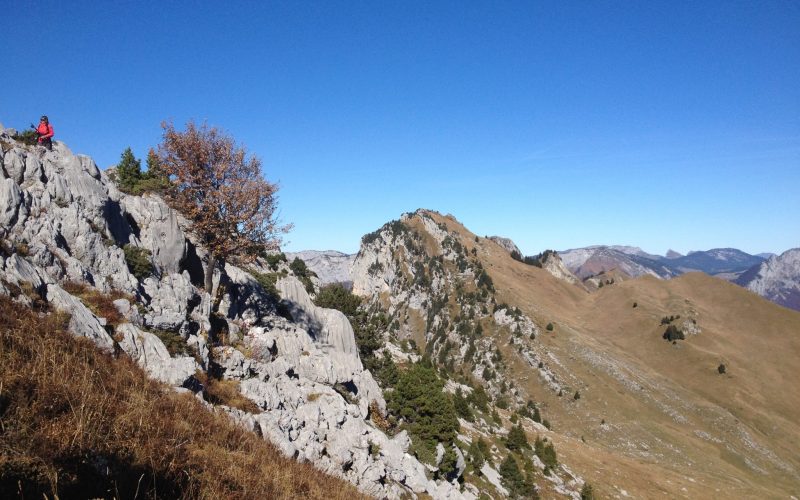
138	261
425	411
514	481
672	333
516	440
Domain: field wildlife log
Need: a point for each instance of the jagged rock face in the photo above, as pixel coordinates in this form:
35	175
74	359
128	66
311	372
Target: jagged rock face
508	244
61	220
60	210
777	279
156	227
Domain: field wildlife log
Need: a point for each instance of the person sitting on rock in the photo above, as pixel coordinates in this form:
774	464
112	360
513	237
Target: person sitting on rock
45	131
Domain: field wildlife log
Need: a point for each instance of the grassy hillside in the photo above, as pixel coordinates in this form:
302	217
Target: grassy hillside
76	423
655	417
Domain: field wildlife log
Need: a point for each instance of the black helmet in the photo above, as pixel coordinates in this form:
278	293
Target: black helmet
44	118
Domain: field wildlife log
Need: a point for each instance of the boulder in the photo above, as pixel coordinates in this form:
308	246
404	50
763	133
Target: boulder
150	353
10	203
171	300
232	363
82	322
14	165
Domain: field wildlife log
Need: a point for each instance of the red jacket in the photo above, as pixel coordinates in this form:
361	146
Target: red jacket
45	131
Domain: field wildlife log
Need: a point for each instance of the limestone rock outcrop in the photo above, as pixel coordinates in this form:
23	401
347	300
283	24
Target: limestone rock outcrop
152	355
64	222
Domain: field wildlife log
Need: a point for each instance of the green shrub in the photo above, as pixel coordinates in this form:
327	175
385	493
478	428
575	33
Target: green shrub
516	440
28	137
336	296
138	260
173	342
479	399
672	333
721	369
517	484
303	273
587	493
577	396
426	412
549	327
546	452
274	259
537	416
461	406
477	453
267	282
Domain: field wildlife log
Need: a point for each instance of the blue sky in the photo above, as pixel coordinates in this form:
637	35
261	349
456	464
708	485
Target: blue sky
558	124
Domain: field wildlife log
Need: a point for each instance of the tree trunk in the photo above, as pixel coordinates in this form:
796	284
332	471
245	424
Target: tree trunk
212	263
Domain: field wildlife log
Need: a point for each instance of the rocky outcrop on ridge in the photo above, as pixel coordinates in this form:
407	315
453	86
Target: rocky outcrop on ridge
777	279
63	223
508	244
552	263
424	272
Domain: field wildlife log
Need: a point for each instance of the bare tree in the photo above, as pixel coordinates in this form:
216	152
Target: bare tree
220	189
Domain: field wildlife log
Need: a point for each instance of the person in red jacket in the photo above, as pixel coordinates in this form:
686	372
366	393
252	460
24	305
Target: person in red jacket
45	131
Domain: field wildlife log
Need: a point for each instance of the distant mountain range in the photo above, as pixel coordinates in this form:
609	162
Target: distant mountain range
329	265
727	263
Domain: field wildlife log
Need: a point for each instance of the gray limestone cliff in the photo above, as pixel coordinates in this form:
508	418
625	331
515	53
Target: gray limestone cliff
65	224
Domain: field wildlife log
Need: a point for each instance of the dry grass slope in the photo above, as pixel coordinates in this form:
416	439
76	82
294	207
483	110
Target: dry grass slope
657	419
76	423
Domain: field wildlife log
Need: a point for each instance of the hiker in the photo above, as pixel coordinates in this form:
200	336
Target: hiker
45	131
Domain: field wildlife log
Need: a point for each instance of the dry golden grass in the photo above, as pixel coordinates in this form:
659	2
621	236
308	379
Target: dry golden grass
225	392
76	423
101	304
674	426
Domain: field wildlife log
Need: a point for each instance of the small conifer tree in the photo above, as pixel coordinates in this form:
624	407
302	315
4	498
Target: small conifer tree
516	440
129	171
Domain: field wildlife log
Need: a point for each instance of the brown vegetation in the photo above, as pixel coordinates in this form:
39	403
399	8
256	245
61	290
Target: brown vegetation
101	304
75	423
226	392
221	190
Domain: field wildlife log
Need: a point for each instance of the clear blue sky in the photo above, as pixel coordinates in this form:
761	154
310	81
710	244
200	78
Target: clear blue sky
558	124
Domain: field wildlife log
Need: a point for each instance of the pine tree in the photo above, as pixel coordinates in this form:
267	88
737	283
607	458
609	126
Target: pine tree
513	479
129	171
516	440
427	412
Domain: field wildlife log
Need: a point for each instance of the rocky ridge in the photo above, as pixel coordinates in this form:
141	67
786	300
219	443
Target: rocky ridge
776	279
427	277
64	224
